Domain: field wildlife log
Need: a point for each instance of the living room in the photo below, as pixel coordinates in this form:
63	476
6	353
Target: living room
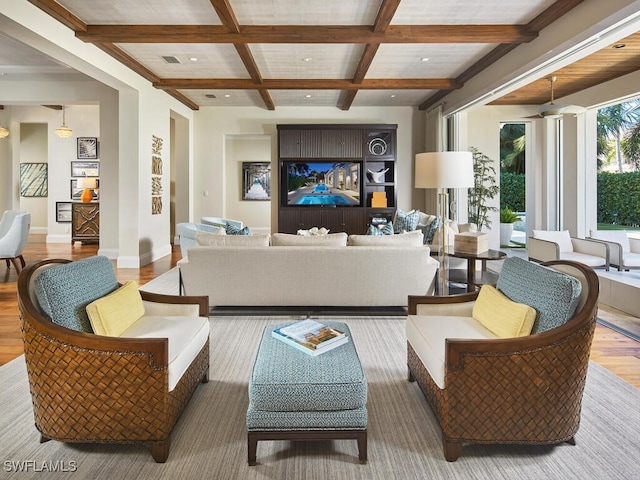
205	147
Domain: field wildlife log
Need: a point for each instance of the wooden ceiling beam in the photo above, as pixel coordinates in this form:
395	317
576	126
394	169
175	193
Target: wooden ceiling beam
225	12
385	14
57	11
327	34
183	99
306	84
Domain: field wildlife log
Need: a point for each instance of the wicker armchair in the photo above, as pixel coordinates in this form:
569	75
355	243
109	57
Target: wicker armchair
88	388
525	390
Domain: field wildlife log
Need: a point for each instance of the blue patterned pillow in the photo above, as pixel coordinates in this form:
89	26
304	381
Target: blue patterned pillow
233	230
430	230
406	221
64	292
555	295
386	230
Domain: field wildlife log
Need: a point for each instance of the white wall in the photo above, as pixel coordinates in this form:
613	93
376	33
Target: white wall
212	162
33	149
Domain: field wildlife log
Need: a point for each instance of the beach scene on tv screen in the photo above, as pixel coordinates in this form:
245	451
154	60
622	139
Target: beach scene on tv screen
315	183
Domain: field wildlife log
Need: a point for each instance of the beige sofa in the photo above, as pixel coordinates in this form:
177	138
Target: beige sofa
318	275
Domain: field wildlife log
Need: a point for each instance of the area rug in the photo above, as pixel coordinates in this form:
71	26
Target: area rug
209	441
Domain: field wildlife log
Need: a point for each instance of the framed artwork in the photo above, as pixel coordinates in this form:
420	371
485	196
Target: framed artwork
33	180
63	212
256	181
77	192
87	147
85	169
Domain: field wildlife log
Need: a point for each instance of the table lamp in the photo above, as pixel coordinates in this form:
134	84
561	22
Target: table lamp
87	184
444	170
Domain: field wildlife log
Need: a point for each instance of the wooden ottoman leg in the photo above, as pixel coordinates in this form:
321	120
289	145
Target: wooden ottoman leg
252	447
362	447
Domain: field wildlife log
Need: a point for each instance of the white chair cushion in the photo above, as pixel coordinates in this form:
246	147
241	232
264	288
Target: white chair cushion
187	336
617	236
631	259
427	336
590	260
562	238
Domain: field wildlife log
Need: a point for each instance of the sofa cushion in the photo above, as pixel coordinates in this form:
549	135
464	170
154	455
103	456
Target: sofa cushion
562	238
329	240
207	239
63	292
555	295
186	335
380	230
410	239
427	335
117	311
616	236
405	221
504	317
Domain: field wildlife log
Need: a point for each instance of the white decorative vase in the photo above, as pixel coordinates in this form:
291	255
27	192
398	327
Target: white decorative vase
506	230
377	177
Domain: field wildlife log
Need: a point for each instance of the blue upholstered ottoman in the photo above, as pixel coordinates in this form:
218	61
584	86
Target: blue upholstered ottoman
294	396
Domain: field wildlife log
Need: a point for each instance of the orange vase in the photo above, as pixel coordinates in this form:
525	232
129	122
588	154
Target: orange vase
86	196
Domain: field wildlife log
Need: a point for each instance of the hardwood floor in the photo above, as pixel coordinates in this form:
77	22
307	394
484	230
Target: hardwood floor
614	351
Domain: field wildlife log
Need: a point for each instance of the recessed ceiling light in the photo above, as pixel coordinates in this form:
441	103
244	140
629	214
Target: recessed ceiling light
393	95
193	59
424	59
619	45
307	96
226	95
307	59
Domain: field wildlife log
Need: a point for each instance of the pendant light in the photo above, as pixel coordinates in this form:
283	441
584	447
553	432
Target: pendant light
64	131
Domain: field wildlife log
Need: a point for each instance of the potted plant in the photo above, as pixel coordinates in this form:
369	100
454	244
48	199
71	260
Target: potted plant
507	218
484	189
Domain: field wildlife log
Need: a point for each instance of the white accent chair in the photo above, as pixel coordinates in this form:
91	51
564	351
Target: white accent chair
219	221
624	251
547	245
14	233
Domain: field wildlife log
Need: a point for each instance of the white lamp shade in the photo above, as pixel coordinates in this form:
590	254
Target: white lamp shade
444	170
87	182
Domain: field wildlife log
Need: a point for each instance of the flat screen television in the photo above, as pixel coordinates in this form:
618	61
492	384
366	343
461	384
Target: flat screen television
322	184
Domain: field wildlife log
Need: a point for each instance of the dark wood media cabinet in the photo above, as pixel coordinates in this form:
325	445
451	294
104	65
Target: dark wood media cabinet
363	148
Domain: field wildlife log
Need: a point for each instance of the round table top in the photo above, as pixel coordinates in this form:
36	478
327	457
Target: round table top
486	255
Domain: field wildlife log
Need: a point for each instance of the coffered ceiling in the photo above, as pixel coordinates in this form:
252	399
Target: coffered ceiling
272	53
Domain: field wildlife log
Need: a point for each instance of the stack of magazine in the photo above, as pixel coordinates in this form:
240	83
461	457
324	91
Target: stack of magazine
310	337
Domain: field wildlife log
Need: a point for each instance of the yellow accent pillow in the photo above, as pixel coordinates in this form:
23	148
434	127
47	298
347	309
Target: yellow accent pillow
501	315
114	313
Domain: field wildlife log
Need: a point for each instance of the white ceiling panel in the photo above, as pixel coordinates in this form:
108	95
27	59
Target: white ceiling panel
445	60
324	61
391	98
144	12
214	60
456	12
306	12
15	57
298	98
224	98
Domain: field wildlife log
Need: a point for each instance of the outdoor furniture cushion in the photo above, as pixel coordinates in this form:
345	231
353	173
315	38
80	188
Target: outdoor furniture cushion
502	316
117	311
562	238
553	294
616	236
63	292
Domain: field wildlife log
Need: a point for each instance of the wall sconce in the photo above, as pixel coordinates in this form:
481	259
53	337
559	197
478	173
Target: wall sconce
64	131
3	132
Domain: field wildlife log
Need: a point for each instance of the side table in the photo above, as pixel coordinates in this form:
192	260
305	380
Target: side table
484	277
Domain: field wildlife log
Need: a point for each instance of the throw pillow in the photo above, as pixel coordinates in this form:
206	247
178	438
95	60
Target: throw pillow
114	313
406	221
233	230
555	295
430	230
64	291
502	316
385	230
